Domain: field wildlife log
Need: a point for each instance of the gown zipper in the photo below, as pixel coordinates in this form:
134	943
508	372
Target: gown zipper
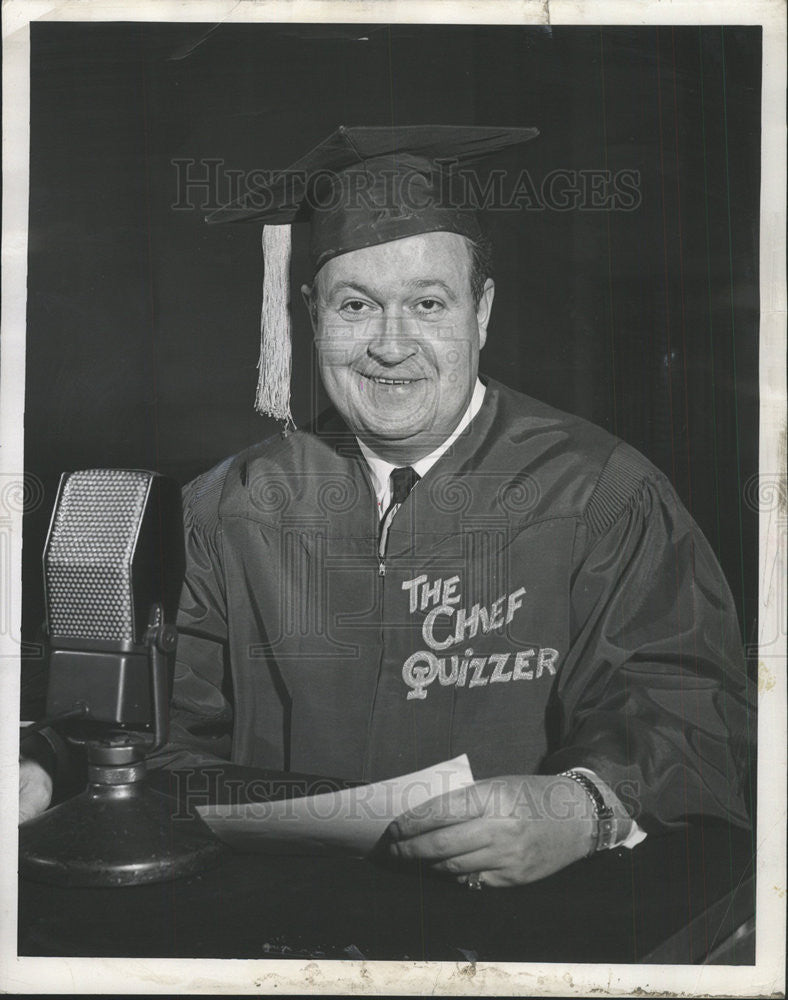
383	538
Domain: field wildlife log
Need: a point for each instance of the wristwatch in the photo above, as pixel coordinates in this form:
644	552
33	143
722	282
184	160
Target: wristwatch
603	814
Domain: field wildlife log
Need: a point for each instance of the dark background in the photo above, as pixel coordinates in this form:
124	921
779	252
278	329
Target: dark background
143	328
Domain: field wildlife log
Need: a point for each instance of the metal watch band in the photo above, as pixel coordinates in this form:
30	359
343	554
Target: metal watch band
603	814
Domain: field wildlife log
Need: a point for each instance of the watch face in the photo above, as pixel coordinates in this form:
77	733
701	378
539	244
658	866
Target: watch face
606	831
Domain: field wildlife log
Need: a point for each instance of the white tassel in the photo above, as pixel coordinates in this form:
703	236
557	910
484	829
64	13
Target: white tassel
274	366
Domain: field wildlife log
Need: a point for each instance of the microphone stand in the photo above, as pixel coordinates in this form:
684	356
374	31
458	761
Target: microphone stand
119	831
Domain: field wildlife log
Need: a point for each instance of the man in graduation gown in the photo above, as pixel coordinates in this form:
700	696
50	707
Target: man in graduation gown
440	565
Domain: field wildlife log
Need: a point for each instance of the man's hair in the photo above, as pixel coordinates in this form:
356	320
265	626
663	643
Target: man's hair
481	268
481	265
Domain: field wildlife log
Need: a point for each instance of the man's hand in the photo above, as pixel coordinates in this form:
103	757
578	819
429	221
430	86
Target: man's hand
35	789
512	830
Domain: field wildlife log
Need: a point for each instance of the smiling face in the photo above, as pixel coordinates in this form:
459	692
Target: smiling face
398	336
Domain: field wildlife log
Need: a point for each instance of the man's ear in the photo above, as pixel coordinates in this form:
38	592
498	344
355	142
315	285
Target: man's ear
311	306
484	309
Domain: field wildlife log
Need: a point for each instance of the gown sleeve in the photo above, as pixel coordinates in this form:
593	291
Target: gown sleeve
201	715
654	696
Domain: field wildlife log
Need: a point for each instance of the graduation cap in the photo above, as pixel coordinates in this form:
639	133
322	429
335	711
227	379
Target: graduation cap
360	187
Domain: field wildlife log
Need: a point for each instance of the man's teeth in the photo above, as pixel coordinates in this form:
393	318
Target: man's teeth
391	381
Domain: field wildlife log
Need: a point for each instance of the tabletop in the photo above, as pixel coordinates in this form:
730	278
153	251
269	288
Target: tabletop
673	899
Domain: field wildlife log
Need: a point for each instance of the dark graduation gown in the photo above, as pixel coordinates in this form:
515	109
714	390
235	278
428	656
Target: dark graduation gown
545	602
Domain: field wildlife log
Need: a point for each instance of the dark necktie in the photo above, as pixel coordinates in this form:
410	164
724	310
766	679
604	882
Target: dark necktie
402	482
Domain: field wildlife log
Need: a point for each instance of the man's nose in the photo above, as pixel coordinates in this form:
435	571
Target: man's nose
393	339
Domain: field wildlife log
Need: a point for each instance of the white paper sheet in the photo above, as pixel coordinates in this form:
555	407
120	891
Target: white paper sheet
348	822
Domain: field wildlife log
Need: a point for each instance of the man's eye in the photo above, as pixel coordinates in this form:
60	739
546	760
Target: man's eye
354	307
429	307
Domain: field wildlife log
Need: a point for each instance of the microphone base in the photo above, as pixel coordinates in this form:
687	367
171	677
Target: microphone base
114	835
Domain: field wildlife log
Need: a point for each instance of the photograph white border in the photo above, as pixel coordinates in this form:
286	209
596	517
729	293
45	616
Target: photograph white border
198	976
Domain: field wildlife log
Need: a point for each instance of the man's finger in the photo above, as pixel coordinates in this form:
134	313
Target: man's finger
446	842
458	806
484	860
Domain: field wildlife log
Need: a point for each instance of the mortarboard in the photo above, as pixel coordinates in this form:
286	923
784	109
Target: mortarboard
360	187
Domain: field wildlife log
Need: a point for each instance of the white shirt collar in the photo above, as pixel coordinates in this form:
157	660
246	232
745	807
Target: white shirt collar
380	469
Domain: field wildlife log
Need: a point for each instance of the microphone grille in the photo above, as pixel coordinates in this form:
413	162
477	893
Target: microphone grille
88	559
